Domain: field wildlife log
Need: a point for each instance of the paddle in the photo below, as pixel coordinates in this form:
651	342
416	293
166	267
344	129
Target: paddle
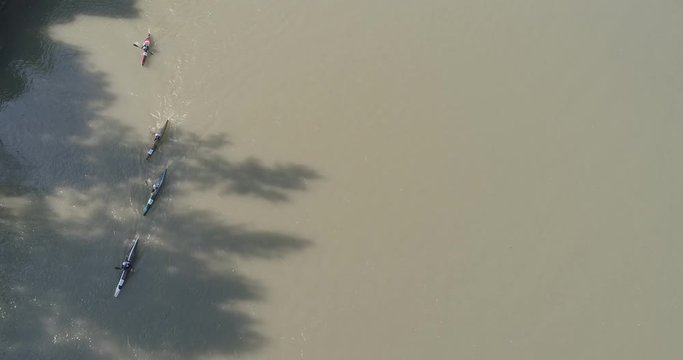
138	46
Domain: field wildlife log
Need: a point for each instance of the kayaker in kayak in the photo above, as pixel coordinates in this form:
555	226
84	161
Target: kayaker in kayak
147	43
155	187
125	265
157	136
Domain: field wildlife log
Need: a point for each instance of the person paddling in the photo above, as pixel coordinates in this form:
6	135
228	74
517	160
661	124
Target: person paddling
147	43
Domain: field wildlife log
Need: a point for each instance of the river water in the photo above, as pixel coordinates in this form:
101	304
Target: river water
432	179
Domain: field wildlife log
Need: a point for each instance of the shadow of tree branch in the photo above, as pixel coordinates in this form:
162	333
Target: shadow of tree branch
59	248
249	177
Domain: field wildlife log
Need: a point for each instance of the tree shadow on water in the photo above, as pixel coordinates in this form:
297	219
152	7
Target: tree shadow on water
186	298
57	249
11	176
23	40
31	248
201	274
45	114
248	177
251	177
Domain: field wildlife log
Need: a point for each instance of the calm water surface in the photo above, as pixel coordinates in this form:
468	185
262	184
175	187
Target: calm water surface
347	180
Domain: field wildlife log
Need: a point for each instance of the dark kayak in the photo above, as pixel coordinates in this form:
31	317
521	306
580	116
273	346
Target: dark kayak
157	141
155	193
124	269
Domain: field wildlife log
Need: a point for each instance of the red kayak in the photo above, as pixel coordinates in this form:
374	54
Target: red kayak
145	48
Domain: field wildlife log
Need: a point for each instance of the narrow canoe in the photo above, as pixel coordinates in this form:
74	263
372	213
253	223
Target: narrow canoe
154	195
157	142
124	271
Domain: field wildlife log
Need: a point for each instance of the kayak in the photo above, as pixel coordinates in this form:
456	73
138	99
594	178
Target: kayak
147	43
155	193
156	142
124	271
